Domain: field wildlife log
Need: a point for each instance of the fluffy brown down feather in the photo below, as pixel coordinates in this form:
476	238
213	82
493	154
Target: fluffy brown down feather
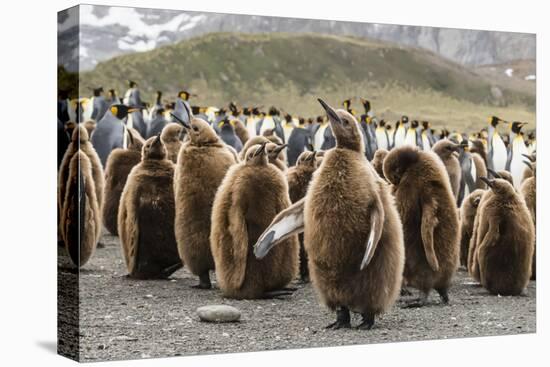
80	246
247	201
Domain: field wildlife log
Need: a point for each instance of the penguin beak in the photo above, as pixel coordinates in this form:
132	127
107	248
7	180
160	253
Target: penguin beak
157	140
493	173
261	149
279	149
183	123
488	181
331	113
312	156
530	157
528	164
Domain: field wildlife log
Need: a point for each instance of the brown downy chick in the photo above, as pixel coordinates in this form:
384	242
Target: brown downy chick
240	130
506	237
378	160
146	216
172	136
80	214
298	178
276	155
352	231
119	164
528	191
250	196
468	212
259	139
428	211
448	152
203	161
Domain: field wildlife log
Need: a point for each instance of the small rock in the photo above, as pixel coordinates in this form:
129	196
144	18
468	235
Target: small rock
125	338
218	313
225	335
149	296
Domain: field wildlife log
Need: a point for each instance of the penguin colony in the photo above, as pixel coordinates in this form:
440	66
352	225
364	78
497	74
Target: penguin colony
358	205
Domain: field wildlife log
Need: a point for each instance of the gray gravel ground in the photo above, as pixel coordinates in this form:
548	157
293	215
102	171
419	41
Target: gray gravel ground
131	319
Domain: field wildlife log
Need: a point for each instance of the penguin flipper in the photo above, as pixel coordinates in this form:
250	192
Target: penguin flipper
285	224
429	221
377	225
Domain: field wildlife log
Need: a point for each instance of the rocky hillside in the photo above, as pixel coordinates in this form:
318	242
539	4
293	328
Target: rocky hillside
107	32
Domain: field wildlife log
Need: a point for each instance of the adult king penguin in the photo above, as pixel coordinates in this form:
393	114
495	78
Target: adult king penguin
99	104
497	154
517	151
352	231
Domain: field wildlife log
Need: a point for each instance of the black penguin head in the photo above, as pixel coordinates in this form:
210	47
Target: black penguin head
247	111
275	151
132	84
233	108
404	120
288	118
366	105
382	123
301	121
227	125
344	127
273	111
398	162
516	126
97	91
256	155
347	104
112	94
153	149
494	121
121	111
414	124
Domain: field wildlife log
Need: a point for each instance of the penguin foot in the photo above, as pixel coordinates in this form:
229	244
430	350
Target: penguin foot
204	282
417	303
368	322
405	292
166	272
100	245
342	320
304	279
277	294
444	296
290	289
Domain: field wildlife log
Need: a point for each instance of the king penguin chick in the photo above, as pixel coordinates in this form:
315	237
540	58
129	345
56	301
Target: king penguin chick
203	161
80	214
172	136
240	130
428	211
448	152
250	196
505	237
468	212
352	231
378	161
276	155
146	216
298	178
118	167
528	190
80	142
255	140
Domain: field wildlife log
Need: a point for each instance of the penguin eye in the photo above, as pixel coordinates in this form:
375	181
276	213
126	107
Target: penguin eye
346	122
195	128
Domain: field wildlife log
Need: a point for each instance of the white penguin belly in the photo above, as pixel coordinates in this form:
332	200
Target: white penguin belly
381	139
410	138
426	143
319	137
516	165
268	123
251	126
500	155
399	138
